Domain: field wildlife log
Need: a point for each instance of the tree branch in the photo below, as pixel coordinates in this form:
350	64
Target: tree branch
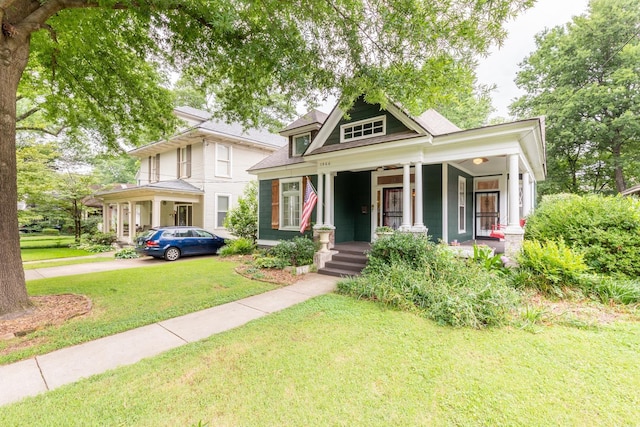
27	114
41	130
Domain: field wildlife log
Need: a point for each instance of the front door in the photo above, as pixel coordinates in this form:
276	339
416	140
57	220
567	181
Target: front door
392	207
487	212
184	215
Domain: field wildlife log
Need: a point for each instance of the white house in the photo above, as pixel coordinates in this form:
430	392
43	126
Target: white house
191	178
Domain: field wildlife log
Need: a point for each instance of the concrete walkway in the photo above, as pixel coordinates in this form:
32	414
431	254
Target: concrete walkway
47	372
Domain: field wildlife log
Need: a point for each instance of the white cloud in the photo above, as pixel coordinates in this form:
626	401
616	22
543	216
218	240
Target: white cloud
501	66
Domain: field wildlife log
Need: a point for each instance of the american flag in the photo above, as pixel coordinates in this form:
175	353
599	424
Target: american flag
310	199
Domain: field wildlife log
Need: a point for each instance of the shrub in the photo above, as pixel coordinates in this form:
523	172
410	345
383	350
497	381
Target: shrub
297	251
103	239
553	266
441	287
92	247
610	289
484	256
270	262
242	220
50	232
126	253
239	246
606	228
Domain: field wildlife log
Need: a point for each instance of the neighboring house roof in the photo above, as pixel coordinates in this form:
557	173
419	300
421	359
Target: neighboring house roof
175	185
277	159
312	117
631	190
435	123
212	128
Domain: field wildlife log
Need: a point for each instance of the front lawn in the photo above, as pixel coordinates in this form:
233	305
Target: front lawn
130	298
39	254
45	241
336	361
84	260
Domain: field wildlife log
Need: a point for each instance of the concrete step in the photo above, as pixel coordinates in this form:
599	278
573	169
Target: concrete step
338	272
342	265
359	259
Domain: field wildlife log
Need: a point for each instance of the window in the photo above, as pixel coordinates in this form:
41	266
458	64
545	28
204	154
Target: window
154	168
462	204
184	162
222	207
223	160
290	203
363	129
300	143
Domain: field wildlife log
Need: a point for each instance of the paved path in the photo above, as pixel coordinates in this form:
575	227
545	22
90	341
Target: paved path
49	371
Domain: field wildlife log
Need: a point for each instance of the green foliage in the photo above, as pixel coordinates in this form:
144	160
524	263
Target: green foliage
126	253
605	228
422	277
270	262
239	246
92	247
485	257
242	220
585	83
616	290
102	238
296	252
552	265
50	231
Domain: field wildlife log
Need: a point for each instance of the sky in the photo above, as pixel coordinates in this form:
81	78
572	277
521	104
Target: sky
501	66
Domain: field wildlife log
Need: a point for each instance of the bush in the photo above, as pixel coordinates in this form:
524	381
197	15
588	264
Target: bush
608	289
552	266
240	246
296	252
103	239
242	220
270	262
410	273
126	253
50	232
89	247
606	228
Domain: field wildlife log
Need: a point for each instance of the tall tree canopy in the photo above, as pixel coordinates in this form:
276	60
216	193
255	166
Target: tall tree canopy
97	66
585	77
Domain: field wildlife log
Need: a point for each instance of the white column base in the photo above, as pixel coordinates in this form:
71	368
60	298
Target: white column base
513	238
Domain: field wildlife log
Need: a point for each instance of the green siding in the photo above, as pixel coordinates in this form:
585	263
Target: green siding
265	232
452	192
360	111
432	199
352	193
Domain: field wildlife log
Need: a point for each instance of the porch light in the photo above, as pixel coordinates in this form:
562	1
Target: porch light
480	160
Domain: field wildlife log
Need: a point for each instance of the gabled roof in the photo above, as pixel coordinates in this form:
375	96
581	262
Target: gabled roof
208	127
435	123
310	118
277	159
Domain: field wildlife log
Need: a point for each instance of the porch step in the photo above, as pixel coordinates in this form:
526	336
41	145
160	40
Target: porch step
349	261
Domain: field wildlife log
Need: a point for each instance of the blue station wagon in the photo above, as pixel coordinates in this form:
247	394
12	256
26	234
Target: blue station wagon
172	243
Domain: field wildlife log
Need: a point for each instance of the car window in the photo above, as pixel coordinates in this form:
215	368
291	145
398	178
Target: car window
168	233
202	233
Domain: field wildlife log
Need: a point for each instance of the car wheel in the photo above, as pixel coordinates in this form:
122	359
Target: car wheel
172	254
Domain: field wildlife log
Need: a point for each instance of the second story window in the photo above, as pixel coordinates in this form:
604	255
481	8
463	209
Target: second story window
184	162
223	160
363	129
300	144
154	168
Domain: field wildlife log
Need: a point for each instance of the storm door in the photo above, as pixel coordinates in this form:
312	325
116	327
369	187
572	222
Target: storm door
392	207
487	212
184	215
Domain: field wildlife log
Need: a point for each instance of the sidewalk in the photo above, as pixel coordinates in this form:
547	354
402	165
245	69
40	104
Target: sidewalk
49	371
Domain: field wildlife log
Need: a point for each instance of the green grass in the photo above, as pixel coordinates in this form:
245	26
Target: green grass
39	254
337	361
126	299
46	264
42	241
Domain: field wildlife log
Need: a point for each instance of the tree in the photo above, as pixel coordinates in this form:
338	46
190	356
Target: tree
242	220
96	66
584	77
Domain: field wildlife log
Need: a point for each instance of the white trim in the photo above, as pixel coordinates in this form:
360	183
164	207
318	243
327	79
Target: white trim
343	127
266	242
445	202
229	161
462	228
295	227
216	210
293	144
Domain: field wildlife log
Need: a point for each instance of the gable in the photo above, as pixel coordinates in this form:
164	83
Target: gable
362	111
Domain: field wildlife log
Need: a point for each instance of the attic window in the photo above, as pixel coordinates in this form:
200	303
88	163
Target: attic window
300	144
363	129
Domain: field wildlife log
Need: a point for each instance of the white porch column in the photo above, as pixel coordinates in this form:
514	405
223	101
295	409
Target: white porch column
119	221
526	194
132	221
514	234
327	203
319	206
105	217
514	192
155	213
418	223
406	197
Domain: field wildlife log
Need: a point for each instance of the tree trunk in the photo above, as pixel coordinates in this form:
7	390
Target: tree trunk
14	53
621	184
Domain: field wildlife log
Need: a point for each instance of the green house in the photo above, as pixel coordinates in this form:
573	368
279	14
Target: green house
385	167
